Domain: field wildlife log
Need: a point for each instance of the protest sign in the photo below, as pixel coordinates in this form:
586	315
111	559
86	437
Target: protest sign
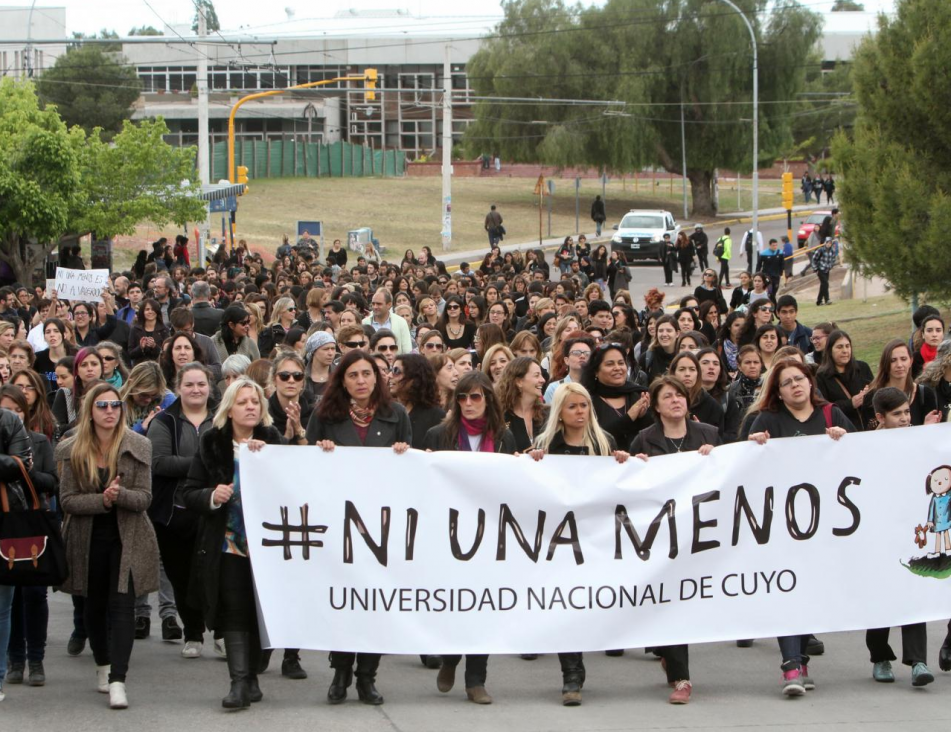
81	285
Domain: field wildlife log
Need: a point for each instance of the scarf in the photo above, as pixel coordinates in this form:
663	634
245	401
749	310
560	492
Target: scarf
476	427
612	392
730	351
361	416
928	353
746	392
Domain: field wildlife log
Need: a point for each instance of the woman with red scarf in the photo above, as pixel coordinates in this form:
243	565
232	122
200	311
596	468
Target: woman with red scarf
357	411
474	423
932	333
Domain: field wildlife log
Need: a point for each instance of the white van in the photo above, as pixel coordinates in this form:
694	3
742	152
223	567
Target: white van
640	235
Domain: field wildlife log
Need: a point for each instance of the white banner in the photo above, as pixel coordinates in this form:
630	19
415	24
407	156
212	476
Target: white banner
81	285
365	550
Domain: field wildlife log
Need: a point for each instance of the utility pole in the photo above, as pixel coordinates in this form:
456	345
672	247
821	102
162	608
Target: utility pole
447	150
203	162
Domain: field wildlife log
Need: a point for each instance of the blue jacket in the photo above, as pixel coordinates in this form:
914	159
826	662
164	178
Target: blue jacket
801	338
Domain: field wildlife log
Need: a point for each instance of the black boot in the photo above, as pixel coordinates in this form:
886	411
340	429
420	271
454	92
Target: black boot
254	662
367	664
573	673
264	660
944	655
432	662
239	655
343	677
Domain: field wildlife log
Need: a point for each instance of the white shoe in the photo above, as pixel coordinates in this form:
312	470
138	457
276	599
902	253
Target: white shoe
117	697
192	649
102	676
220	648
2	695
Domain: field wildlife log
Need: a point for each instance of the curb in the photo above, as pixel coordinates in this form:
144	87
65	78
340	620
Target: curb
749	219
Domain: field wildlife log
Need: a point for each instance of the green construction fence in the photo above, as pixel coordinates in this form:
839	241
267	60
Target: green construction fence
292	159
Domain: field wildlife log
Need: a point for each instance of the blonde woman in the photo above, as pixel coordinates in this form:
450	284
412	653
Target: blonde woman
145	395
105	489
572	429
282	319
496	359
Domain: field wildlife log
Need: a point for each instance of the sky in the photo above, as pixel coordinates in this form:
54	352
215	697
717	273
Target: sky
120	15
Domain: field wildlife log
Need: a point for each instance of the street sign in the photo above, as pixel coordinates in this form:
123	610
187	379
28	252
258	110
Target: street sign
223	204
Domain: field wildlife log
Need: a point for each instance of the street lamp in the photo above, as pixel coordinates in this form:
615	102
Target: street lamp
749	27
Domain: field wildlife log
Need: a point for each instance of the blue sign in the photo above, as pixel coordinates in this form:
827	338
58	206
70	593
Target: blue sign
223	204
315	229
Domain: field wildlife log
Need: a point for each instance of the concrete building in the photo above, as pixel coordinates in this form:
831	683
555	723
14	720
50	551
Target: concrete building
18	24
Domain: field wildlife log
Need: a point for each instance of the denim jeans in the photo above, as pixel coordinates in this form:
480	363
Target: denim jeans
6	605
793	650
28	624
166	600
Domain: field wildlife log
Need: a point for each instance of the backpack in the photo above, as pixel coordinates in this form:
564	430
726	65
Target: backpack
718	248
827	413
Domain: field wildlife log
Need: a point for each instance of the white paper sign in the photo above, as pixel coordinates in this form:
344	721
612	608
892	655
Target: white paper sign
365	550
81	285
50	287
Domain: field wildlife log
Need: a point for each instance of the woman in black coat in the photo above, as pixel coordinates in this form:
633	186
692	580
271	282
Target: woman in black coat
148	333
357	411
475	423
221	582
620	405
841	379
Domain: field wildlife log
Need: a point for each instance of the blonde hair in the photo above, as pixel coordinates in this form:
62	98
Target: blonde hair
222	416
490	354
86	448
280	307
595	438
145	378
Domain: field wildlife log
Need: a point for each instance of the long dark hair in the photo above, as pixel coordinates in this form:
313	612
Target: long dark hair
233	314
885	366
749	327
770	399
589	374
152	303
827	367
166	360
494	419
419	381
723	334
335	406
444	318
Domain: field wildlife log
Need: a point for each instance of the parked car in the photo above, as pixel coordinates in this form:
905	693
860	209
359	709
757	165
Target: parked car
813	222
640	235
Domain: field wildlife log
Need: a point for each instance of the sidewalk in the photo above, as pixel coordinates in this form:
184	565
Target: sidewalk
474	256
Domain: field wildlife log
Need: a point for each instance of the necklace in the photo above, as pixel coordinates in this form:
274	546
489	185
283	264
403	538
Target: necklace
678	446
455	332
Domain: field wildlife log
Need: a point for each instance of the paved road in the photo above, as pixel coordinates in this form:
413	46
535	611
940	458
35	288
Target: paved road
734	689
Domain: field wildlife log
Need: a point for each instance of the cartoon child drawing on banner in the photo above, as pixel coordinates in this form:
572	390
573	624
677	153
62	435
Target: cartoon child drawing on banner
938	485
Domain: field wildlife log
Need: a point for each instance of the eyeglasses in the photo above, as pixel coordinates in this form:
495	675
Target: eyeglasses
384	349
111	404
288	375
430	346
25	387
580	353
475	397
818	337
355	344
793	380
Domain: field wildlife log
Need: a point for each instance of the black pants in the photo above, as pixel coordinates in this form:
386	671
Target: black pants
367	663
572	667
236	608
724	272
914	644
79	613
477	668
109	614
823	286
685	274
29	619
677	661
702	259
176	543
668	273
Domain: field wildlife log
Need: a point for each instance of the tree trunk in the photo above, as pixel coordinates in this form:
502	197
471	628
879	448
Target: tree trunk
21	257
701	190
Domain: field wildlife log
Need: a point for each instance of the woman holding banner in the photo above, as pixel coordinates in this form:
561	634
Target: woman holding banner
791	407
474	423
673	432
358	411
222	570
573	429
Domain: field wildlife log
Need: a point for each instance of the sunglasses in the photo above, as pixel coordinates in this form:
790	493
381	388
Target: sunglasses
109	358
384	349
396	371
453	307
288	375
245	322
475	397
292	310
430	346
606	346
355	344
110	404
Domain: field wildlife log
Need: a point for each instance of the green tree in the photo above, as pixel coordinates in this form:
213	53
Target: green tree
652	55
827	106
145	30
57	184
895	190
847	6
207	8
91	88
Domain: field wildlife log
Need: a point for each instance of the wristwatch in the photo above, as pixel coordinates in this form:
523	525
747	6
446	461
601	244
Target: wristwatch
301	435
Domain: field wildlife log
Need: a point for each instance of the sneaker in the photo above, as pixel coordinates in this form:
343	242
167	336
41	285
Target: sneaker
615	653
37	674
681	693
220	649
882	672
815	647
2	695
102	679
117	695
792	683
192	649
528	656
15	673
291	668
921	675
171	631
748	643
807	683
76	645
143	627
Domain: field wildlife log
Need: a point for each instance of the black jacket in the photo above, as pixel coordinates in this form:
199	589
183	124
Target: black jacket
651	442
14	442
279	416
423	420
830	386
620	426
96	334
213	465
387	427
207	318
437	440
708	411
137	353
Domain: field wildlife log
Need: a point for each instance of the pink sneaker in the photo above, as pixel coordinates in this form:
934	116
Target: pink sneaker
793	683
681	693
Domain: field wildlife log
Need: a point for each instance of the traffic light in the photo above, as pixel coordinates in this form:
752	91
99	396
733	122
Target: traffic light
370	85
787	191
243	175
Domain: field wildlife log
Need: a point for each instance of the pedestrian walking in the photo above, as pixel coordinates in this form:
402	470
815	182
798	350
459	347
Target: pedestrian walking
723	250
598	214
493	225
823	260
686	251
701	243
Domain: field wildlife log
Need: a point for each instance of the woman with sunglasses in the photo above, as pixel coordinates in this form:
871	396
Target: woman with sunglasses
222	582
791	406
358	411
232	336
148	333
113	369
67	404
175	435
145	395
39	418
291	404
105	488
431	342
474	423
457	331
674	432
709	290
760	313
283	317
